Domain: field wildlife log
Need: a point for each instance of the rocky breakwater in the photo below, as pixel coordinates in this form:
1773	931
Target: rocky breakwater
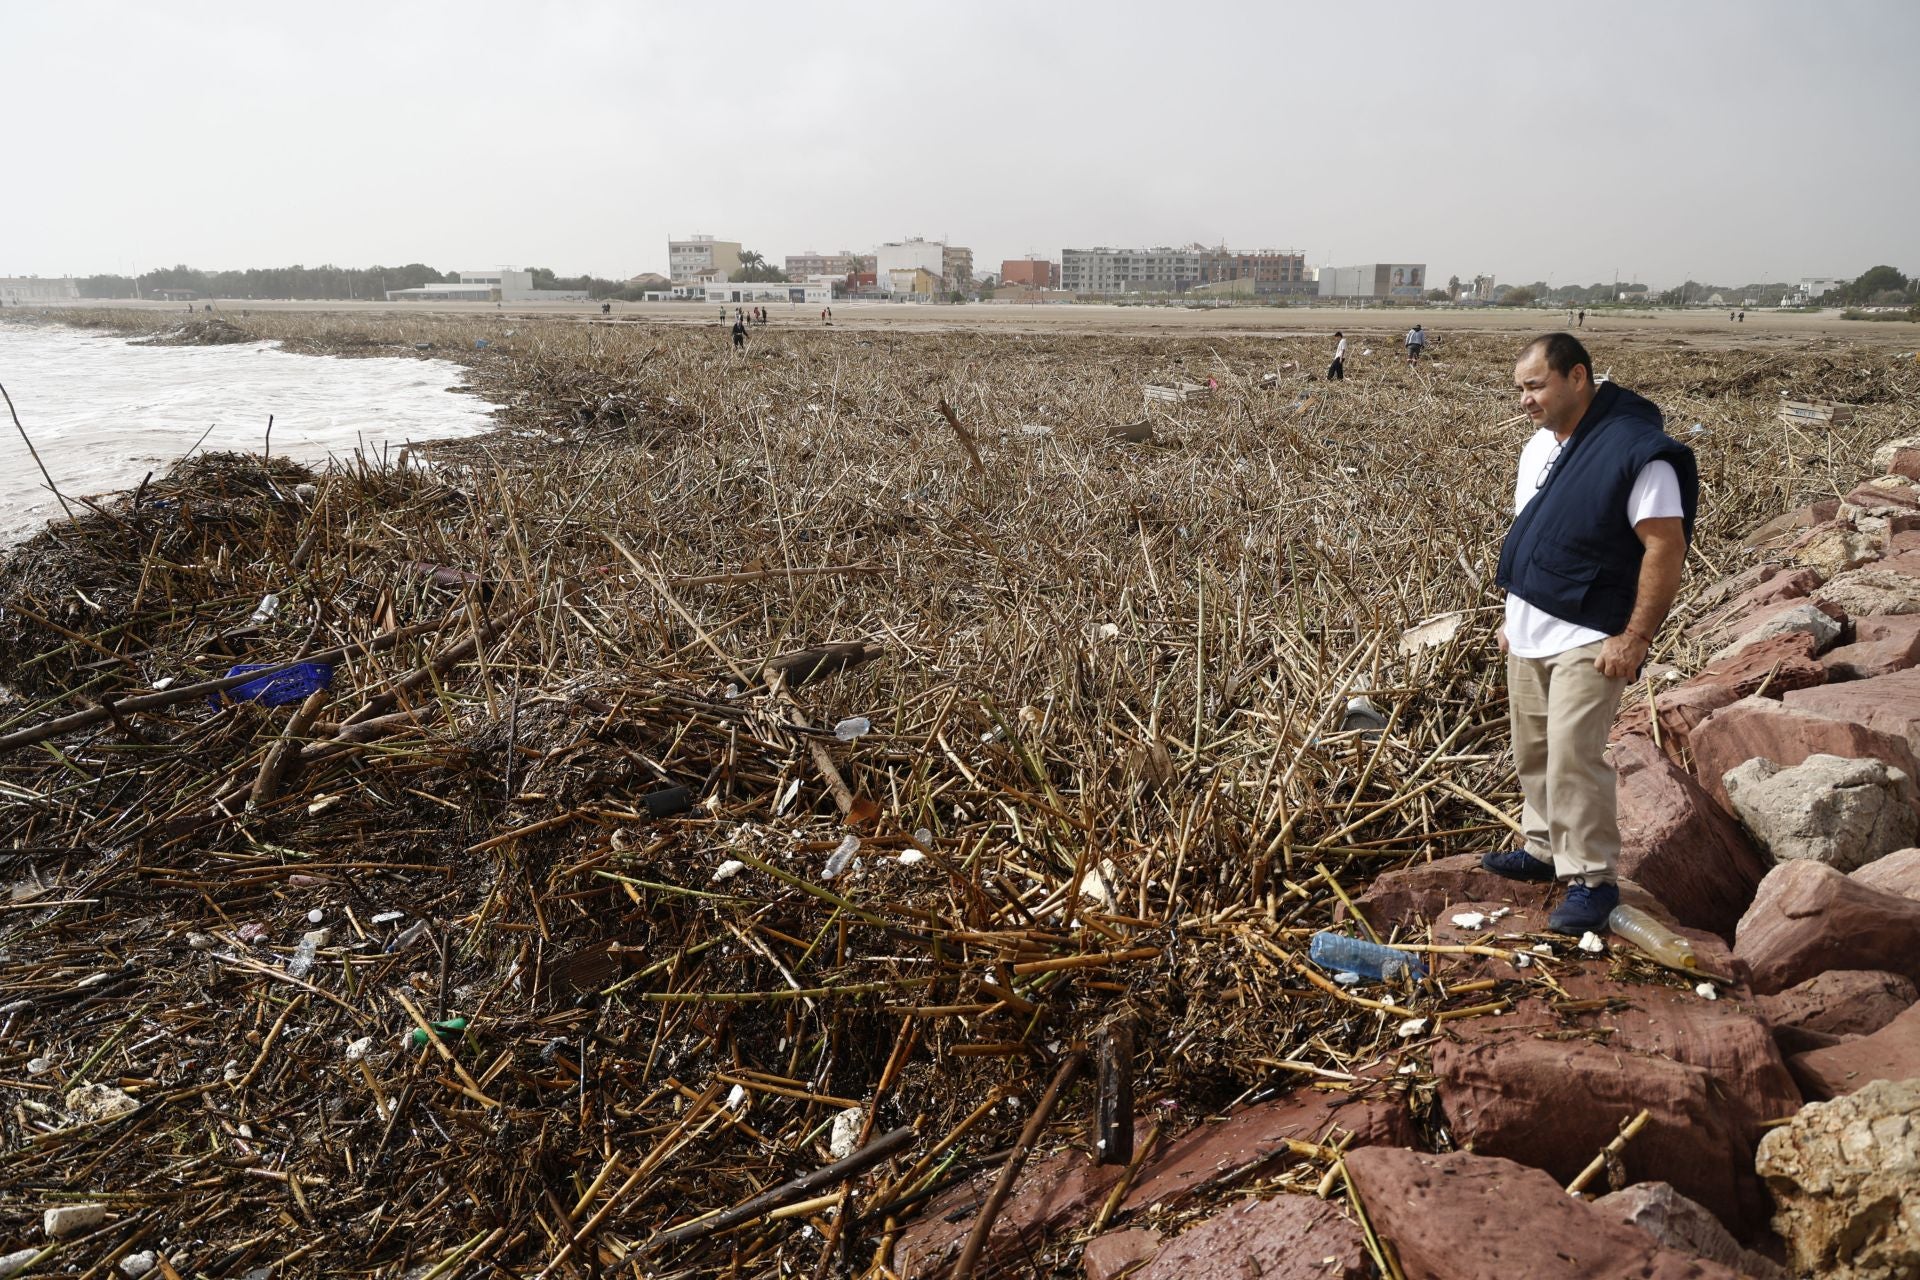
1770	811
1755	1114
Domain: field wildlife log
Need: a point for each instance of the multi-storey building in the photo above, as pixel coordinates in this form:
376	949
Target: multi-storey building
702	259
1102	271
1272	272
1035	273
1402	280
911	254
802	266
956	266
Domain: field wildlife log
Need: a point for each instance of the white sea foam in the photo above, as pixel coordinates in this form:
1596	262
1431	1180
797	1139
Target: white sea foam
103	413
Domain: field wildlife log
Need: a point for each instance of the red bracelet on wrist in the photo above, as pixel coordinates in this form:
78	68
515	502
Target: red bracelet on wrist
1645	640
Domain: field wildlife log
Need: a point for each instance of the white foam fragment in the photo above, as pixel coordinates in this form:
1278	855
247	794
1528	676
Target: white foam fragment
1591	944
846	1132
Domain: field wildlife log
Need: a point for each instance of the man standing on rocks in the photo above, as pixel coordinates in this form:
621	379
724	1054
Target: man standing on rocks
1603	511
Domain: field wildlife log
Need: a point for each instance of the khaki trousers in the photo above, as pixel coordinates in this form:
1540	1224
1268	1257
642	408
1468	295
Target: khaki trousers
1560	709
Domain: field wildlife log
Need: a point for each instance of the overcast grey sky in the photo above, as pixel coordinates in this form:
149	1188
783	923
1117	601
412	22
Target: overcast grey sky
1657	138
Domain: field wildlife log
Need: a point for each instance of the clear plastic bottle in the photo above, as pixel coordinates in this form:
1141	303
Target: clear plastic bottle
852	727
303	957
1653	938
269	605
837	860
1341	954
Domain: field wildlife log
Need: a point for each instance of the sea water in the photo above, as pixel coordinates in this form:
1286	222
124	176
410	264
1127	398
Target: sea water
103	412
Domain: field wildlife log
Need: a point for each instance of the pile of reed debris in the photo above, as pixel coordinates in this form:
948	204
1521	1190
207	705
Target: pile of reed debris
544	924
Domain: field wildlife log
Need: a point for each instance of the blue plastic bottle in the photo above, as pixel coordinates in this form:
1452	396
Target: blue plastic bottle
1338	953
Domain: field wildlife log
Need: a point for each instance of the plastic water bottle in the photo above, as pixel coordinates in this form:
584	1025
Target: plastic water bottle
852	727
1340	954
1652	937
269	605
837	860
303	957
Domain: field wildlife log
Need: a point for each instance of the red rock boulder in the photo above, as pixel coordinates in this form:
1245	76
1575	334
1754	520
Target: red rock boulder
1808	918
1869	496
1293	1237
1220	1154
1773	587
1897	873
1891	1053
1470	1217
1774	665
1834	1006
1710	1076
1792	522
1055	1193
1678	845
1882	644
1414	896
1760	728
1889	703
1114	1253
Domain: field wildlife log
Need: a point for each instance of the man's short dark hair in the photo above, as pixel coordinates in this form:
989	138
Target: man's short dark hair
1562	352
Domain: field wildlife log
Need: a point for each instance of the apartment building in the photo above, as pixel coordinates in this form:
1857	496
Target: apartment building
803	266
1273	273
701	259
1101	271
956	266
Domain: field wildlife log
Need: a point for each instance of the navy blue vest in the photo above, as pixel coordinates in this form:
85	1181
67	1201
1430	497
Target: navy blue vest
1571	551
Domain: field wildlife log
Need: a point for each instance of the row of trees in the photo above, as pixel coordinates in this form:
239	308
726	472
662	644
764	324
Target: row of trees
1881	286
329	282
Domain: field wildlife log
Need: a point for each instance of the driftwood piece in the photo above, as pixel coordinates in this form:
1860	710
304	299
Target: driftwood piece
1036	1123
804	666
1114	1110
788	1192
286	749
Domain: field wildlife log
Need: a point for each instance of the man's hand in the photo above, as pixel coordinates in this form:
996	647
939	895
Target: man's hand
1621	656
1504	646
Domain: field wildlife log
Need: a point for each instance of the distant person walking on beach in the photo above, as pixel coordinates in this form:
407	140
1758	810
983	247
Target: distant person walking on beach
1583	319
1416	344
739	334
1337	371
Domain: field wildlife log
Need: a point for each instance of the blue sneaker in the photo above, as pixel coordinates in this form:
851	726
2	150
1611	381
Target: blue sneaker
1585	909
1517	864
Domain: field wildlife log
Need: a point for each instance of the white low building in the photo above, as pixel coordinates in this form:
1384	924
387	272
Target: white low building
21	291
761	292
499	284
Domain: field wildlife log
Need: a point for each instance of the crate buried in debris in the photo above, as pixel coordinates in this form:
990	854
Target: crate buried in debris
1178	392
1796	411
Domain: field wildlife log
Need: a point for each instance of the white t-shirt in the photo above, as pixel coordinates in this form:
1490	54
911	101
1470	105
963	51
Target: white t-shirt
1340	351
1533	632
